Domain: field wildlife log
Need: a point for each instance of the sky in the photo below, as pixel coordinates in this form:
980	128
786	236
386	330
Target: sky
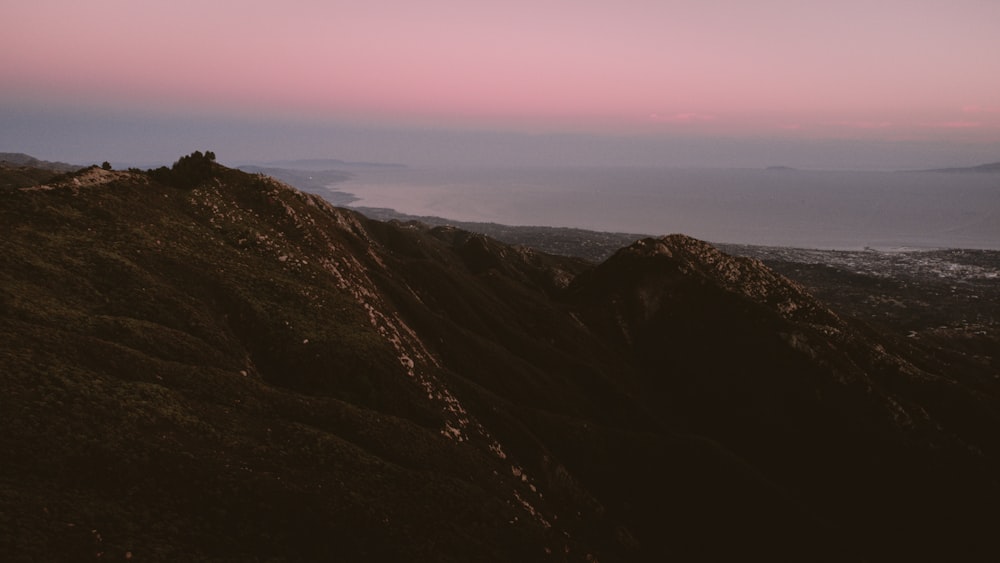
864	84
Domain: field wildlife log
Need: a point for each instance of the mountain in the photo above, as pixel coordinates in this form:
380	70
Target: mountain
204	364
15	159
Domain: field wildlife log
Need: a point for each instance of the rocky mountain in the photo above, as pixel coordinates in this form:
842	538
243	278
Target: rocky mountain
204	364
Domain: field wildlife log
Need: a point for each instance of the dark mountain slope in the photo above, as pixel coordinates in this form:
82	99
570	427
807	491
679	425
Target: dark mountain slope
733	351
565	403
210	374
199	363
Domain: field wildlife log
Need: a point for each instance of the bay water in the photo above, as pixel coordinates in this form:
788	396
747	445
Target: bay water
771	207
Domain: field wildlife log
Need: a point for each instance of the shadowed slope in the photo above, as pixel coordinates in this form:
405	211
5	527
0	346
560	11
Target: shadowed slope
823	405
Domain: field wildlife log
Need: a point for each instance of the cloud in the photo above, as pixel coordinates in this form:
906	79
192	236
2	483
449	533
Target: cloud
955	124
980	109
686	117
865	124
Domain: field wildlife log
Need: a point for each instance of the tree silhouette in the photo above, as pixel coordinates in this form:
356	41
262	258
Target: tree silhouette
188	171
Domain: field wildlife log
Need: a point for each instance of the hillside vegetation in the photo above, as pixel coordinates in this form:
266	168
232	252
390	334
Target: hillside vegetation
198	363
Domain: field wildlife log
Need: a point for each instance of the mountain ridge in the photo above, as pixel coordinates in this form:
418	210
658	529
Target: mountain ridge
22	159
251	372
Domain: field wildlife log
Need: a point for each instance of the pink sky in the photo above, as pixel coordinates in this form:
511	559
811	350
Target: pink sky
871	69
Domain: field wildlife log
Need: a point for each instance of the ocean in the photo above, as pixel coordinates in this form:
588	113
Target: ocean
769	207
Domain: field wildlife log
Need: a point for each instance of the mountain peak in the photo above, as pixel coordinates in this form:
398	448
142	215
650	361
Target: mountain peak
693	259
668	245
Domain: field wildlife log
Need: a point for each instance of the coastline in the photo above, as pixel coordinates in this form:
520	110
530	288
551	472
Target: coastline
799	209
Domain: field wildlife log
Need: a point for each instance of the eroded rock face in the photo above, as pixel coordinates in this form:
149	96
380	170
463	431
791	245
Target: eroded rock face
247	370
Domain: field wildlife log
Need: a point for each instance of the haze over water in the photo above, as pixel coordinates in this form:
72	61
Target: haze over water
807	209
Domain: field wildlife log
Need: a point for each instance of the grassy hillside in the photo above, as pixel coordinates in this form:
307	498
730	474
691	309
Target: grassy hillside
203	364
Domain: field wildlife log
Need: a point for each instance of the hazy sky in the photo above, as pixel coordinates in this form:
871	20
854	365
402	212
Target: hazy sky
852	83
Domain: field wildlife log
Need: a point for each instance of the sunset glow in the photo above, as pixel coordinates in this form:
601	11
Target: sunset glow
879	69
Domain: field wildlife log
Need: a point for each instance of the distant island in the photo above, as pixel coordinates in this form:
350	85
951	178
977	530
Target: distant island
991	168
